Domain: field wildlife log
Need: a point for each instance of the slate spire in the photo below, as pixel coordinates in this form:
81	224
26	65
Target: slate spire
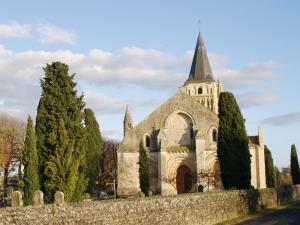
200	69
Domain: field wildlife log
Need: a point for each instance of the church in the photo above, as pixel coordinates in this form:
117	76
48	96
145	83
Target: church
180	137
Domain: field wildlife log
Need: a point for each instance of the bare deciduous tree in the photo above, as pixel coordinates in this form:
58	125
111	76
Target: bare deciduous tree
209	178
108	176
11	145
170	180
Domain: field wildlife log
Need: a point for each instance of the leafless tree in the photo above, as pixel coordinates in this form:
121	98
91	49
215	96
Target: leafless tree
108	175
170	180
11	145
209	178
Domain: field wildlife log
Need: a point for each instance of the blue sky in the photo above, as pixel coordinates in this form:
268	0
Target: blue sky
139	53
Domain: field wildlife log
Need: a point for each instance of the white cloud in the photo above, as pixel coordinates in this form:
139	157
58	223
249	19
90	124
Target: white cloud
103	104
252	99
5	53
49	34
283	120
250	74
150	69
15	29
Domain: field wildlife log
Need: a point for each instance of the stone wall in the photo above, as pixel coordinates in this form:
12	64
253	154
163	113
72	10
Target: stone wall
200	208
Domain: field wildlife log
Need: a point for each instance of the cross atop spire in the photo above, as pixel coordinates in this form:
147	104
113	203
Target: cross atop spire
200	69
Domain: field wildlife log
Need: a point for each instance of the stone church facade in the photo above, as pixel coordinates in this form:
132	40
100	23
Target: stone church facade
180	137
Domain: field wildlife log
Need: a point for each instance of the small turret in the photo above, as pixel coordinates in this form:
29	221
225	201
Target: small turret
127	121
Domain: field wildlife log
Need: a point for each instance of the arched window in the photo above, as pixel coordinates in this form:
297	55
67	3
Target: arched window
200	91
189	91
211	104
147	141
215	135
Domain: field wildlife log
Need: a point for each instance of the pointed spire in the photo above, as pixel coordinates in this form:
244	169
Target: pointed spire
127	120
200	69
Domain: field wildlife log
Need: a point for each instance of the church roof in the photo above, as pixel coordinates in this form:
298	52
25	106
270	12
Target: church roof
200	69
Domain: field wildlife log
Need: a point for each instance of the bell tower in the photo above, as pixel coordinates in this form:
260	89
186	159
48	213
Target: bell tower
200	83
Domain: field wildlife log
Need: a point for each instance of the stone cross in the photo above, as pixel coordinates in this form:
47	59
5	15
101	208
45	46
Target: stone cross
16	200
38	198
59	198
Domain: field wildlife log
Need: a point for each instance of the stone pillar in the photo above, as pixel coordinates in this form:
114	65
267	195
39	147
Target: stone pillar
128	173
200	154
163	186
253	151
162	173
16	200
38	198
59	198
261	161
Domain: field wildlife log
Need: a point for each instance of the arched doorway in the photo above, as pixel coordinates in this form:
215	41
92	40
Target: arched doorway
183	180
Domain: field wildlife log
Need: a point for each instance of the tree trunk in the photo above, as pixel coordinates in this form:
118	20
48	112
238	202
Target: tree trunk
115	190
5	181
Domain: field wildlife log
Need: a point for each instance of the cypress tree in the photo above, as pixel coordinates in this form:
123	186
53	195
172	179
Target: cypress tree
59	100
61	170
93	147
269	168
278	179
295	172
144	170
30	162
233	151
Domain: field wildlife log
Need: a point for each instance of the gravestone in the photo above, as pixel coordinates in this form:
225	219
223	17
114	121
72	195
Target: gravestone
16	200
38	198
59	198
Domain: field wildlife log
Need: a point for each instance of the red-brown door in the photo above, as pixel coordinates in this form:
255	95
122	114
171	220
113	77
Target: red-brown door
183	180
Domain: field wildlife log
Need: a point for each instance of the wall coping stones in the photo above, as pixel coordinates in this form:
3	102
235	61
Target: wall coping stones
59	198
190	209
16	200
38	198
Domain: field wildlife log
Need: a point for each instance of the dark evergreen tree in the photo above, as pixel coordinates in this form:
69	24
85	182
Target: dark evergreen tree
269	168
295	172
278	179
61	170
144	170
30	162
93	147
233	151
59	100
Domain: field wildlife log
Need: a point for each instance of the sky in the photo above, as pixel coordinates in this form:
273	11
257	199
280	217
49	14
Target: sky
140	52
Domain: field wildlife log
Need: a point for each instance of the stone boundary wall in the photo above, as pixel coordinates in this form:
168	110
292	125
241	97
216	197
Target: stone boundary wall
199	208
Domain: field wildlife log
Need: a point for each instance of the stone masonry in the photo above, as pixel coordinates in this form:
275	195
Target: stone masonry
189	209
180	137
